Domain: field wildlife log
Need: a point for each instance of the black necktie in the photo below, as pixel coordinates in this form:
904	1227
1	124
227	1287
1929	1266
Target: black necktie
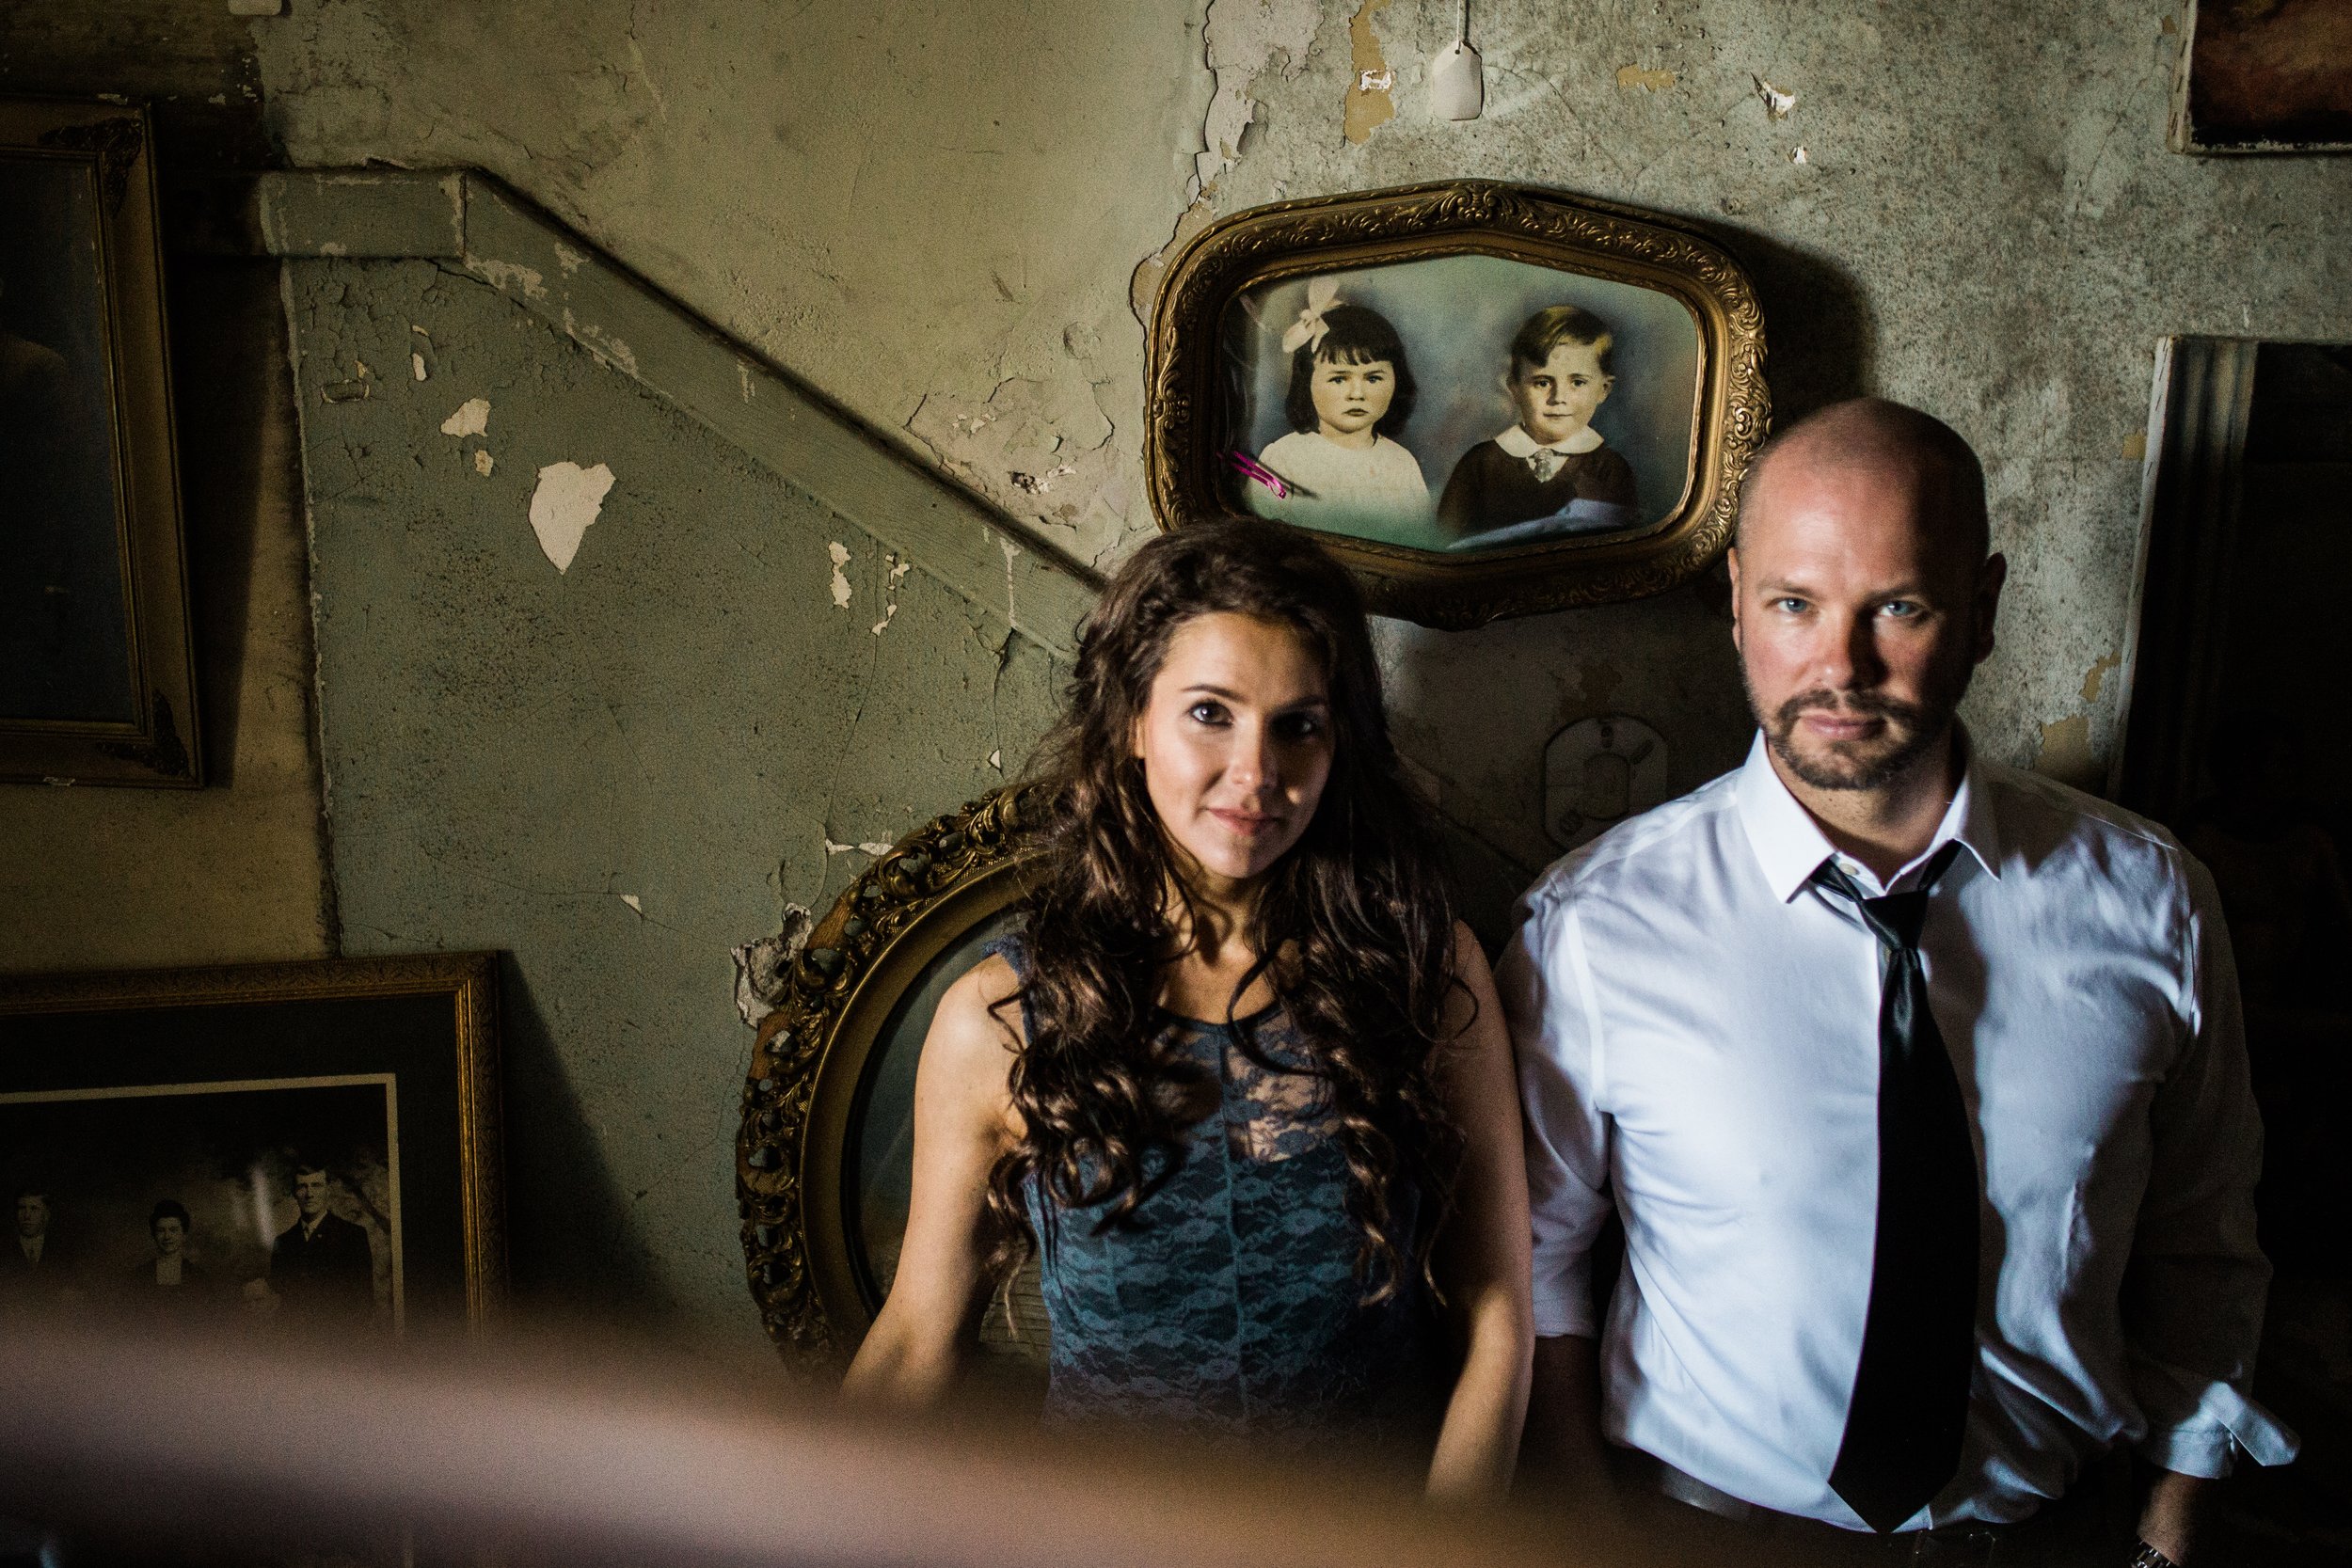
1910	1405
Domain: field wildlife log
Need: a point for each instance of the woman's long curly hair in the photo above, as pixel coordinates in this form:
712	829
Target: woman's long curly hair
1354	926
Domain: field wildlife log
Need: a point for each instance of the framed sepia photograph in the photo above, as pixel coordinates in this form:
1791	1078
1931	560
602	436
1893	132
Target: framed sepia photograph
97	675
1487	400
278	1148
2264	76
826	1155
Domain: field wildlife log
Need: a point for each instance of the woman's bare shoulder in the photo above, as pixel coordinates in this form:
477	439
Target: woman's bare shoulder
978	1027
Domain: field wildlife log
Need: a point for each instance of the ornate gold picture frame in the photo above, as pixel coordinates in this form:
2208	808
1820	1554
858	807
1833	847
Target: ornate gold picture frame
97	669
822	1157
1487	400
325	1134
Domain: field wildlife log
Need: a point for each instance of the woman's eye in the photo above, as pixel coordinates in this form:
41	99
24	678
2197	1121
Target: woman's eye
1300	726
1206	713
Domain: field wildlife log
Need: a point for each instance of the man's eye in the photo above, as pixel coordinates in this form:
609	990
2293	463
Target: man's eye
1789	604
1903	609
1579	381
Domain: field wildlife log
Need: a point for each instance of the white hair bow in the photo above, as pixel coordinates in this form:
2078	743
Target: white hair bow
1307	330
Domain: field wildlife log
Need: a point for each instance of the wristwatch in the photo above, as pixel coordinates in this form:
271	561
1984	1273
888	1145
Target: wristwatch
2148	1556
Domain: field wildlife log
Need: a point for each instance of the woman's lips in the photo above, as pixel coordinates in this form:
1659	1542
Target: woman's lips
1248	824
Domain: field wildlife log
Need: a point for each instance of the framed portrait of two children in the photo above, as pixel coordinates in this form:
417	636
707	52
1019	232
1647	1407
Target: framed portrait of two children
1488	401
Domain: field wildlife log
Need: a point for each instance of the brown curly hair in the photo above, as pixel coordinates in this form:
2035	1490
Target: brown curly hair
1354	927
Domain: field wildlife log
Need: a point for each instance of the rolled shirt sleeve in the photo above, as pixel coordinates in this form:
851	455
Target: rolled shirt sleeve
2193	1293
1555	1037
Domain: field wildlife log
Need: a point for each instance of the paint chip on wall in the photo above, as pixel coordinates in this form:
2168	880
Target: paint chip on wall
415	364
565	504
1369	103
1777	104
1652	81
471	419
635	903
840	554
483	461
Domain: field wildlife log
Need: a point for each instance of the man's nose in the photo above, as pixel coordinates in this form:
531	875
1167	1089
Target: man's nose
1849	658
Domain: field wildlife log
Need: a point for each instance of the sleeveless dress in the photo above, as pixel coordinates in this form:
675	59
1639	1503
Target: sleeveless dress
1229	1303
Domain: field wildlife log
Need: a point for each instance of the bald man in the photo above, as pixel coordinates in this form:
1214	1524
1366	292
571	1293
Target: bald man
1917	1082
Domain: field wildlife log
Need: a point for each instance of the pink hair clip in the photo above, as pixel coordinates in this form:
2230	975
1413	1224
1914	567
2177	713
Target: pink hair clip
1249	467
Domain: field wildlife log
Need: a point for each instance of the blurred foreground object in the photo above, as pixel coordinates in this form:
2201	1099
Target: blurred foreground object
552	1456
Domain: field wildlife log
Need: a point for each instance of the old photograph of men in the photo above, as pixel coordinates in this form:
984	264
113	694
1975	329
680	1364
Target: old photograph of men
273	1203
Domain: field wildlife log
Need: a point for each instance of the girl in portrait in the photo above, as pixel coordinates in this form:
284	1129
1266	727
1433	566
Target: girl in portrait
1240	1084
1341	469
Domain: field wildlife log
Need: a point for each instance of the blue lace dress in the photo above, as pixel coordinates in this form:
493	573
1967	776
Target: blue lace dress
1228	1302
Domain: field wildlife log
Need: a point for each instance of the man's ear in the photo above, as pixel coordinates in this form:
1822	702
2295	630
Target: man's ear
1990	578
1731	561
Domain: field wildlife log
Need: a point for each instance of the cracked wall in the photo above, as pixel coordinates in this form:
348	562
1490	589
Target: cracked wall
949	216
617	766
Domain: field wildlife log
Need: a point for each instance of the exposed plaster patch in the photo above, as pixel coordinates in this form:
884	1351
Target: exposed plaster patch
1799	156
743	376
2065	753
1012	553
508	275
898	569
482	461
565	502
840	554
1042	449
596	341
1777	104
2135	446
568	259
996	759
635	903
1652	81
1241	38
2098	674
761	966
1369	103
871	846
471	419
415	364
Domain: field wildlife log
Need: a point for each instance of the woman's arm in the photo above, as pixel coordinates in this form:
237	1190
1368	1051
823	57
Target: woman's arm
1482	1253
962	1122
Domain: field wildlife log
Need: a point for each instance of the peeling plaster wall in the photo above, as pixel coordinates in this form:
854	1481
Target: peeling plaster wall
616	748
937	214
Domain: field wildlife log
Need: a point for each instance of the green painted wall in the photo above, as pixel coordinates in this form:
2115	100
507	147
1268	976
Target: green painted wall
616	772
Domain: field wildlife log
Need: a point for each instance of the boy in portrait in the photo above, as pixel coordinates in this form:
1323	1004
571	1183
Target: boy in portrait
1550	472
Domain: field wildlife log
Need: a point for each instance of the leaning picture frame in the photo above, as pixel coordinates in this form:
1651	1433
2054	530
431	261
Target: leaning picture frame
97	669
2256	76
258	1149
1487	400
825	1153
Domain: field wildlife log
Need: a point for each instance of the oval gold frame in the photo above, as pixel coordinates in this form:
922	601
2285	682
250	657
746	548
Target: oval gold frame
811	1071
1268	244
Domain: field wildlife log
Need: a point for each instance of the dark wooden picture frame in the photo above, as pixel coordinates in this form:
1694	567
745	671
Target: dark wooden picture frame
2257	76
813	1078
97	669
211	1087
1224	292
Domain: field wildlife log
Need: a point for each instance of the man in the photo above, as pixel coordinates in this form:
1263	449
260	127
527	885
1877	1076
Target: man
321	1269
30	1268
1917	1080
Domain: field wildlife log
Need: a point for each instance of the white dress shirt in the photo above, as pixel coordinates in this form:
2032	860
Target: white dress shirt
1697	1040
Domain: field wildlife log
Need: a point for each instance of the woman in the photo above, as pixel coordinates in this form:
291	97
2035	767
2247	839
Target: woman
1243	1083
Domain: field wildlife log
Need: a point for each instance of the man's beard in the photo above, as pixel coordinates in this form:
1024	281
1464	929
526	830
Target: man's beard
1912	731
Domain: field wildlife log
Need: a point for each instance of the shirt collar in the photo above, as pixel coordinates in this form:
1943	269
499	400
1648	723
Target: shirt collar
1789	845
1519	443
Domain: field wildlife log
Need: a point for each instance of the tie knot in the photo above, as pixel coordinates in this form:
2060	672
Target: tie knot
1894	918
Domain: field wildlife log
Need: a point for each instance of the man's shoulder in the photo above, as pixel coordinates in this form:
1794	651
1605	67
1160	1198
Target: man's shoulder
1630	856
2041	819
